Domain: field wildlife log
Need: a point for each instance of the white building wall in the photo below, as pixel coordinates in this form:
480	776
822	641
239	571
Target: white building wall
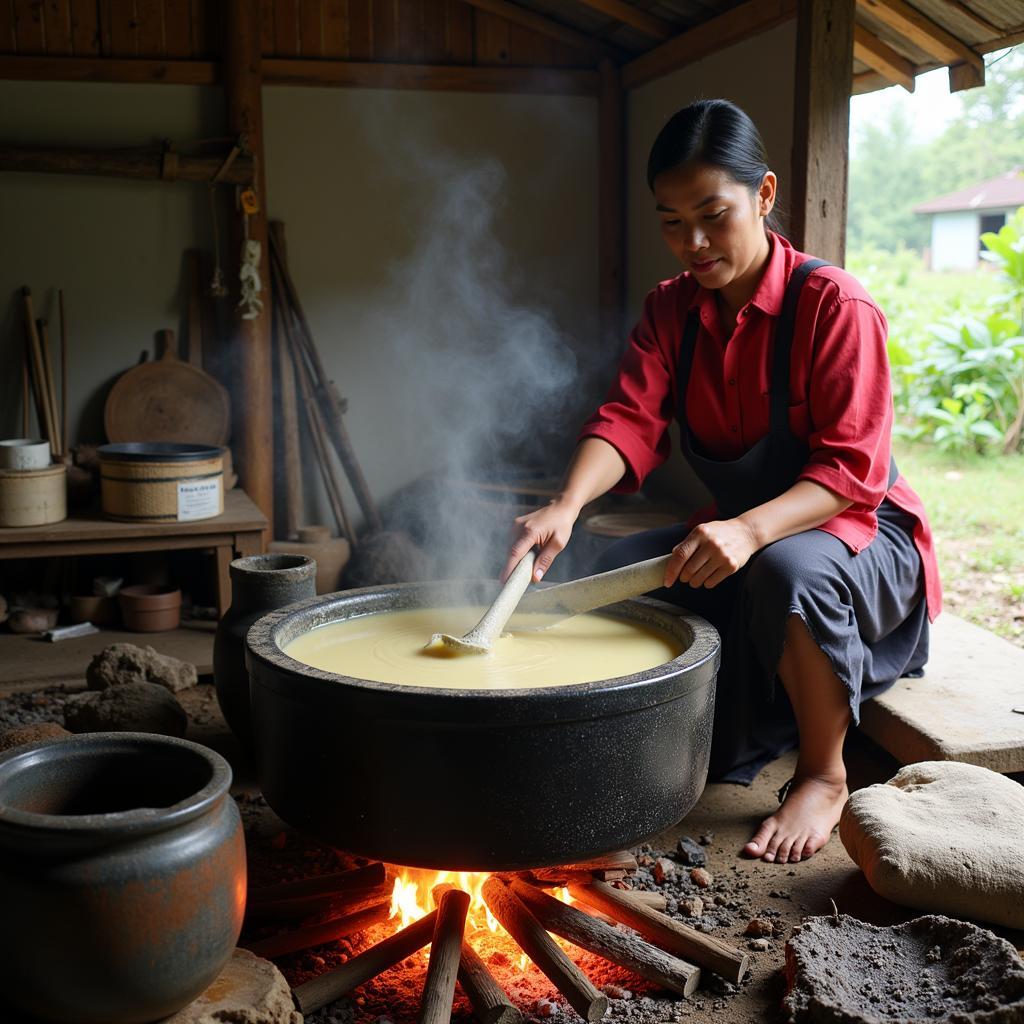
955	240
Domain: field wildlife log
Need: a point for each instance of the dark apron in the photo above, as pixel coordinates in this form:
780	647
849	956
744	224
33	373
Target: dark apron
772	465
748	721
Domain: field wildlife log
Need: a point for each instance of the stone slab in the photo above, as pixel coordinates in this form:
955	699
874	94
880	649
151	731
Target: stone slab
962	709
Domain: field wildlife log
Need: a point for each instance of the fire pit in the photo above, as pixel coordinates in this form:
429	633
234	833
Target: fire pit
479	780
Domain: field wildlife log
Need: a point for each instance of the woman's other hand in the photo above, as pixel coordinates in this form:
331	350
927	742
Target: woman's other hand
548	530
711	553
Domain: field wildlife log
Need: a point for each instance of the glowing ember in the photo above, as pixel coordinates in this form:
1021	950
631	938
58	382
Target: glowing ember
411	899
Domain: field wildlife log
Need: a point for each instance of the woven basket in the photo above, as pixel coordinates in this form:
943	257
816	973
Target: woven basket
161	483
33	497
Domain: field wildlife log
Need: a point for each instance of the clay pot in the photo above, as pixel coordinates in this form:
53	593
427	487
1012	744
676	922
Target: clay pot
100	611
122	877
259	584
150	608
23	453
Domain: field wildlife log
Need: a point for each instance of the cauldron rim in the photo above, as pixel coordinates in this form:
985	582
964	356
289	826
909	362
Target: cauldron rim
268	635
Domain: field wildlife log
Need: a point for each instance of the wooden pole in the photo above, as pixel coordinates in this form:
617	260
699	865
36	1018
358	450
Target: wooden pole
445	951
318	934
250	346
535	942
43	411
63	374
490	1003
588	933
611	200
663	931
312	995
49	389
821	127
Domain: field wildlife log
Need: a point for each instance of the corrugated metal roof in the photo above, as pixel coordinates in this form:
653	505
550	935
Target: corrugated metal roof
1006	190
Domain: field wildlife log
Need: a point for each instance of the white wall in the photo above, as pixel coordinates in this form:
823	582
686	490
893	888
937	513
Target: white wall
346	171
756	74
955	241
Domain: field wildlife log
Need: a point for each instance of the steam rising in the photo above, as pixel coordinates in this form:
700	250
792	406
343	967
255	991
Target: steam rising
496	385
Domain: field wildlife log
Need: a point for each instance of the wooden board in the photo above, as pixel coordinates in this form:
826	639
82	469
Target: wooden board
167	400
28	663
963	708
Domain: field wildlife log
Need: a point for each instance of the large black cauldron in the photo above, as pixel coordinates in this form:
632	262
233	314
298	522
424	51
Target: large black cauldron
482	780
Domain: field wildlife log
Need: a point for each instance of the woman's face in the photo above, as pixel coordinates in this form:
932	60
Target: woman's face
712	224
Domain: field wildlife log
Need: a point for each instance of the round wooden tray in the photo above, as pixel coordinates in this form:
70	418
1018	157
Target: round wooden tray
167	400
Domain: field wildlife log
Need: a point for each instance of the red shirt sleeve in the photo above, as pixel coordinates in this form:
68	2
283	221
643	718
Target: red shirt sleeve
850	404
638	408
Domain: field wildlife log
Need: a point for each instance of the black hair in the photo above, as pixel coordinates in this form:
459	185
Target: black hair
717	133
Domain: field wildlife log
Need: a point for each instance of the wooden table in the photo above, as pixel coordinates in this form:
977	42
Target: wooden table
237	532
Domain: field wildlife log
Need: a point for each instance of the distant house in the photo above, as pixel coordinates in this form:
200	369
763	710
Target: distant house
960	218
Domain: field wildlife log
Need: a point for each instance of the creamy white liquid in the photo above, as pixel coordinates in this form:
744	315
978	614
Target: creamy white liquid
389	648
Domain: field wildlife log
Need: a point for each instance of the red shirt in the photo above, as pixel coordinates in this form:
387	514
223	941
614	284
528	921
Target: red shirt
840	398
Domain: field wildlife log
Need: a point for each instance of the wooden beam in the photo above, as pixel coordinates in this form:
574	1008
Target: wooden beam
930	37
108	69
868	81
657	28
146	163
752	18
611	200
1007	39
250	342
545	26
821	126
869	49
453	78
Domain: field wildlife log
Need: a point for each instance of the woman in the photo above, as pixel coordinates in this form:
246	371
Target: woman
816	561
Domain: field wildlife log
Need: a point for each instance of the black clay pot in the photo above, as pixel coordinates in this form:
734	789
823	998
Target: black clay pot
259	584
122	877
479	780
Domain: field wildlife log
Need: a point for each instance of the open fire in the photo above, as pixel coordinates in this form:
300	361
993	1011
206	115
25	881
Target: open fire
545	916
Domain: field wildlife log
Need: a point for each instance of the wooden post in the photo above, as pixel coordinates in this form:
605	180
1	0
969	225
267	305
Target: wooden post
250	344
821	126
611	200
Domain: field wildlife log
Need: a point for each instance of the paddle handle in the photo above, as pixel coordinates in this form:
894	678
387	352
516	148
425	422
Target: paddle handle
605	588
489	628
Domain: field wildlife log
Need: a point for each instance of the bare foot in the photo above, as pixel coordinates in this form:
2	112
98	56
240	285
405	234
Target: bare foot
804	822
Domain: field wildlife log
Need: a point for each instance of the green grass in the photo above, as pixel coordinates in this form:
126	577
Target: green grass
976	508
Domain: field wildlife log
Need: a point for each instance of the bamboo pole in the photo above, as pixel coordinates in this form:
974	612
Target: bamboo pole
63	374
49	389
43	411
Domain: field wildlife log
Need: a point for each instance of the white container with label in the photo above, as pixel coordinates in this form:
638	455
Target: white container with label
161	482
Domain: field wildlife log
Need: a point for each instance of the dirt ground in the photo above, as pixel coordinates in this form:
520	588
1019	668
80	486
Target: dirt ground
722	822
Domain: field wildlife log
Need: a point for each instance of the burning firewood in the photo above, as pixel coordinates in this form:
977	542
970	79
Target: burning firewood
588	933
590	1004
445	952
317	934
663	931
345	891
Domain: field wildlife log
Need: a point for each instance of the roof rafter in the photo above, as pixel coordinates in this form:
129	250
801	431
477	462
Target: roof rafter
650	25
980	23
870	50
920	30
545	26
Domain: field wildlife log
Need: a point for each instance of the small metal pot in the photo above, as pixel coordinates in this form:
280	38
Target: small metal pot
479	780
122	877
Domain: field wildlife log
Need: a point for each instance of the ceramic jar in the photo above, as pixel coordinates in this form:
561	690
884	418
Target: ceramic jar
259	584
122	877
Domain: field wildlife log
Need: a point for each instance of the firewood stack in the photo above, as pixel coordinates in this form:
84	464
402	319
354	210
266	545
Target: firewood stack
657	947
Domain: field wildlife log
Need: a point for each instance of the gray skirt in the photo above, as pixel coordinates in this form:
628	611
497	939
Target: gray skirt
866	611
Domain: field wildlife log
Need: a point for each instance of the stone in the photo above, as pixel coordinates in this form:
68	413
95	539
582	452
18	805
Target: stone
128	663
759	927
759	945
663	868
32	620
249	990
130	707
689	853
38	732
701	877
545	1008
706	837
616	992
931	968
942	836
691	907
